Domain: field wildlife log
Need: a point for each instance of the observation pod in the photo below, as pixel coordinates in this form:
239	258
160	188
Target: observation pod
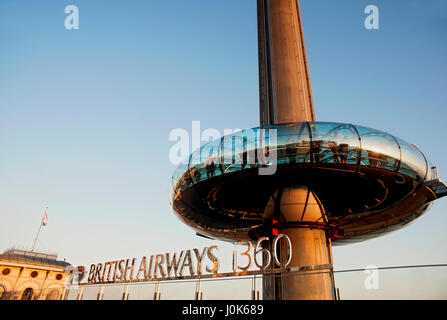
317	183
366	182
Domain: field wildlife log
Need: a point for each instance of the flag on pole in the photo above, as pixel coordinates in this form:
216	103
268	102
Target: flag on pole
45	218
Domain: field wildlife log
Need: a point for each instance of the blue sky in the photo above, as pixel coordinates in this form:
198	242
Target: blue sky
85	115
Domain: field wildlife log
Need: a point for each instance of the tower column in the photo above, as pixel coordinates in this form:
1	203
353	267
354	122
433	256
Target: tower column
302	218
286	97
285	90
309	249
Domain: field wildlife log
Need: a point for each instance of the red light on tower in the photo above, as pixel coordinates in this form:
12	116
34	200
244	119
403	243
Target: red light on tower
275	231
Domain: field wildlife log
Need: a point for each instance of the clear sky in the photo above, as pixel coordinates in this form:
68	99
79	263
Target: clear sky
85	115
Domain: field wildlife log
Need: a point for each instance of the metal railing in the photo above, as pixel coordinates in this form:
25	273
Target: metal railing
384	283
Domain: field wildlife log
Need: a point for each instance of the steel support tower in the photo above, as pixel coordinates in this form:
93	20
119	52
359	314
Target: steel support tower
286	97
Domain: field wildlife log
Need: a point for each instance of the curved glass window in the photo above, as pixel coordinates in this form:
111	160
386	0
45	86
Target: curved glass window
267	145
205	162
178	178
232	146
379	149
293	144
413	163
334	143
196	167
314	142
246	144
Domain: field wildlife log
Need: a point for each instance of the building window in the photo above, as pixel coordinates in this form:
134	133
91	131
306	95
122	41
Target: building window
59	277
6	271
34	274
53	295
2	292
27	294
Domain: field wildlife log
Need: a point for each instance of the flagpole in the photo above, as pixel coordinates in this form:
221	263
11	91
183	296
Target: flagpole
38	231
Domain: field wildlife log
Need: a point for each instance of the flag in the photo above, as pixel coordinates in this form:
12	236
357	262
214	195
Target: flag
45	218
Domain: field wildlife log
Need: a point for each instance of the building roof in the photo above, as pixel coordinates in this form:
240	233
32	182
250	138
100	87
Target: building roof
30	257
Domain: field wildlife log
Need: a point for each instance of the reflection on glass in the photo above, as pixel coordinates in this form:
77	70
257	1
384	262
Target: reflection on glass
413	162
334	143
320	143
231	147
379	149
204	162
178	174
293	144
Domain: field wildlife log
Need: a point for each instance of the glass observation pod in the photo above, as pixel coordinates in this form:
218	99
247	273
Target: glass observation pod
368	182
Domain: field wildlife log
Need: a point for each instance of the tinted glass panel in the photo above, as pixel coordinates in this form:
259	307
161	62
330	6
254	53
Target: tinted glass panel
413	162
293	144
334	143
379	149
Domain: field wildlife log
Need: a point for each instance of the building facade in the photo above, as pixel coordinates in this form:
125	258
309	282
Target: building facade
26	275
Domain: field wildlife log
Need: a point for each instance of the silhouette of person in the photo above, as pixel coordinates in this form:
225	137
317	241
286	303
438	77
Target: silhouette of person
210	166
343	151
315	150
335	150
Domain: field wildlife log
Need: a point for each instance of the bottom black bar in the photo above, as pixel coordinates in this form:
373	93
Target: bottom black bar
224	309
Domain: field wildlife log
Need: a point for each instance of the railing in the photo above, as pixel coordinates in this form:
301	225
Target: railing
417	282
